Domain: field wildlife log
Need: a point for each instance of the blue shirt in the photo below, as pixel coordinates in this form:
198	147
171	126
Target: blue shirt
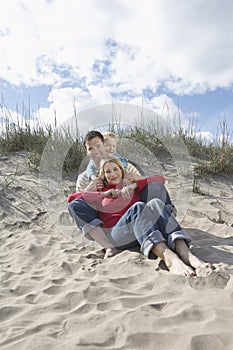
91	166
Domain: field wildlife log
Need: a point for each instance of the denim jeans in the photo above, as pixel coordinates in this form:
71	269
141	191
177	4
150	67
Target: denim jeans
146	224
158	190
86	217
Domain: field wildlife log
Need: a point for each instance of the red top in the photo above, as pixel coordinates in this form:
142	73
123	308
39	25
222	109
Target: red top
111	209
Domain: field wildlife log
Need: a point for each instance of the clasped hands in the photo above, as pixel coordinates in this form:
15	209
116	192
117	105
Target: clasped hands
125	192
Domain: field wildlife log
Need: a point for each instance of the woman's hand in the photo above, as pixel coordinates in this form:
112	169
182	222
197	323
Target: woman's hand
110	193
125	192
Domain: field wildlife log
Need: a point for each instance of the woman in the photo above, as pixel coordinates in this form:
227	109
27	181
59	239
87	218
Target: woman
128	221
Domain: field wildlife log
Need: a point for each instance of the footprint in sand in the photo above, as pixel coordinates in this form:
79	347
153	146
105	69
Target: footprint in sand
67	268
215	279
65	219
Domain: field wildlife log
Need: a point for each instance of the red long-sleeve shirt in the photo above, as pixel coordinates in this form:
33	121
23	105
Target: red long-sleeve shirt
111	209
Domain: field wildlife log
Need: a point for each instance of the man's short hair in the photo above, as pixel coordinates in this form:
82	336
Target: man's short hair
91	135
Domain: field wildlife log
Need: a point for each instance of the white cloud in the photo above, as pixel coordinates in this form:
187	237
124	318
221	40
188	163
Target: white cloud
206	136
190	41
65	103
41	33
88	51
188	45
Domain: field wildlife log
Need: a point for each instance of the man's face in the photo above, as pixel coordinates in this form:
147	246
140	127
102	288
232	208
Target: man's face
95	149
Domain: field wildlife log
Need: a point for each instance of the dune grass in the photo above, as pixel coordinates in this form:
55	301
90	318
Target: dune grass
214	158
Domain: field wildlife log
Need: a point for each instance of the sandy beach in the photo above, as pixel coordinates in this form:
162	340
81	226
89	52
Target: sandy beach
57	291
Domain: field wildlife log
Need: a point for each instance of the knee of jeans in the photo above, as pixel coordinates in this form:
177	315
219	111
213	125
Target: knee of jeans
139	206
156	203
156	189
80	203
75	205
156	185
161	189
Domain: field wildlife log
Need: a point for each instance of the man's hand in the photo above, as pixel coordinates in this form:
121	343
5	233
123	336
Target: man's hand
126	182
132	177
95	185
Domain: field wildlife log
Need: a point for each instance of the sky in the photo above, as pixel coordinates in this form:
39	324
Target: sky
174	57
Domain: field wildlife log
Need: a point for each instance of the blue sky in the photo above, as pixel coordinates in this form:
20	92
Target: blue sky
175	55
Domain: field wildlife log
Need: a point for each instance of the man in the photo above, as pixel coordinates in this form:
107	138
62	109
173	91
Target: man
94	145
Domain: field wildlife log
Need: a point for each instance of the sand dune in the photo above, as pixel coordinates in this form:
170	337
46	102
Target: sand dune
57	291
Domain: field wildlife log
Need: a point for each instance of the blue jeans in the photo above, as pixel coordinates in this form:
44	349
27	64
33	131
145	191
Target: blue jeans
157	190
146	224
86	217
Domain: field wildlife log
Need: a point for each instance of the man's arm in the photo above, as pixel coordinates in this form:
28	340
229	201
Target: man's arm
84	184
132	174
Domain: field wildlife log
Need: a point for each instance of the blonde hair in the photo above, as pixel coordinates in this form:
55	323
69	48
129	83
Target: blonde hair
108	135
112	160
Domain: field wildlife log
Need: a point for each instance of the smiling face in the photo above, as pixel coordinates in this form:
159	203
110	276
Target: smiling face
110	146
95	149
112	173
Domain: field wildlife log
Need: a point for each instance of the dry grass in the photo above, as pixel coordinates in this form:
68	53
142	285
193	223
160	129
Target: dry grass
214	157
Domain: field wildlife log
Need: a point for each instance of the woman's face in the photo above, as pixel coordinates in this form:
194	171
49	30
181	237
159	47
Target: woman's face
112	173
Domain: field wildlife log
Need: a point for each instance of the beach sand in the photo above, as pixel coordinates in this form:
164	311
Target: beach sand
57	291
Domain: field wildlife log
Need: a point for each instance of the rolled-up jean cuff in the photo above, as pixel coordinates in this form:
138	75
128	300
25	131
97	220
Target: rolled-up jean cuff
178	235
88	227
150	241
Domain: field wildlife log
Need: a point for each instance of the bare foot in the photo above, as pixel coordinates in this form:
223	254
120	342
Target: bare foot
188	258
111	252
174	264
177	267
197	263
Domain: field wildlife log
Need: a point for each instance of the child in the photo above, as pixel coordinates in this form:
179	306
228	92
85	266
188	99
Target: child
110	145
